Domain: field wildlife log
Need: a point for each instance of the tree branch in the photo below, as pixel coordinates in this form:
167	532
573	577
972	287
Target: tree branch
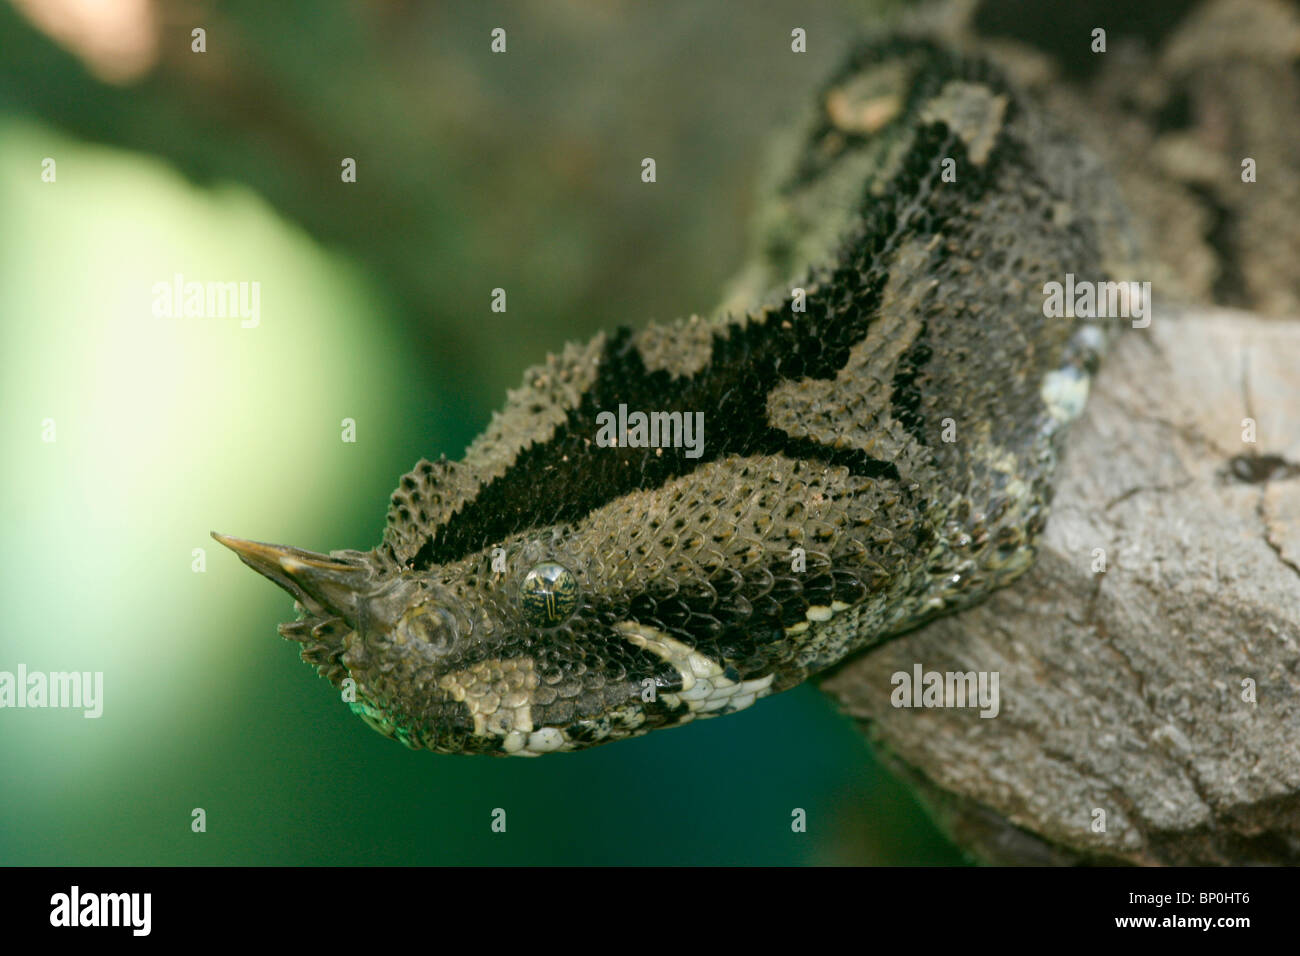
1161	697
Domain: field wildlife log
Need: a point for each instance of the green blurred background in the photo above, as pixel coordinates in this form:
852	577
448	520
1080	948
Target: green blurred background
475	171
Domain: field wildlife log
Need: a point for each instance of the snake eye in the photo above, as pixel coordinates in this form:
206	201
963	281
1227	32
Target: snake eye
429	624
549	595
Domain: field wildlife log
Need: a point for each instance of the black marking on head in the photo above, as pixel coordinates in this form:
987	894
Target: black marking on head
424	557
906	395
565	478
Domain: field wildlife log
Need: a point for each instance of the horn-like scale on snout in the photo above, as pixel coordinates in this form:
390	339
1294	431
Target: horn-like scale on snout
320	582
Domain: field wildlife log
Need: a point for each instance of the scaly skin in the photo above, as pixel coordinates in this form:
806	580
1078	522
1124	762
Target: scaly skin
879	442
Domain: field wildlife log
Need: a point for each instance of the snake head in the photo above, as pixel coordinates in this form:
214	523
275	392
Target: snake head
474	657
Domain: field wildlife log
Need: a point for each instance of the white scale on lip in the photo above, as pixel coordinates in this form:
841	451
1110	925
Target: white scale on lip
705	688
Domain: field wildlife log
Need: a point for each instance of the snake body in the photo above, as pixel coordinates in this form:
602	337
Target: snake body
879	439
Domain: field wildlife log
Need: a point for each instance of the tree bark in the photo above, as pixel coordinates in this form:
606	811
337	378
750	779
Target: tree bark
1149	713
